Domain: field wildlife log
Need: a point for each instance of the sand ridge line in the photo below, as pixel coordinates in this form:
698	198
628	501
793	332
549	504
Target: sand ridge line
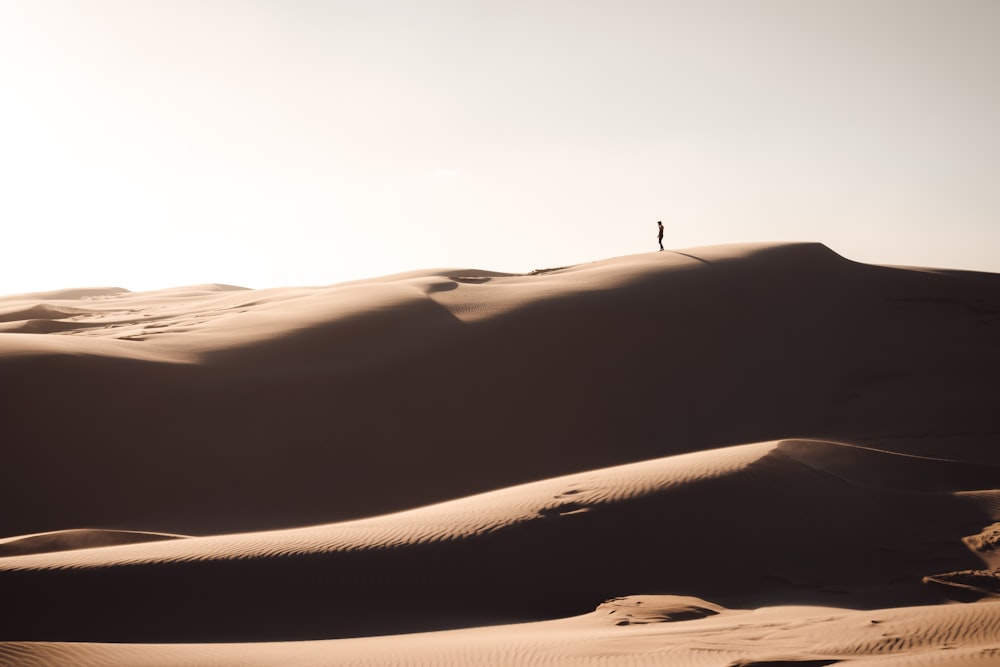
185	309
80	538
787	636
910	472
465	517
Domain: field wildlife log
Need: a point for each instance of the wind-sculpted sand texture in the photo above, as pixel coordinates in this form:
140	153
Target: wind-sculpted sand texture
927	636
446	449
690	524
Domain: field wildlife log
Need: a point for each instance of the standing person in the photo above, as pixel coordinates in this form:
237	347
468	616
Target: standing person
659	236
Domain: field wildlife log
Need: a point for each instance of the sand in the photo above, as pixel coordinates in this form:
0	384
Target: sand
732	455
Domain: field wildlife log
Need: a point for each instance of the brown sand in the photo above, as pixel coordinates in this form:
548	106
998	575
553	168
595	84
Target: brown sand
457	448
928	636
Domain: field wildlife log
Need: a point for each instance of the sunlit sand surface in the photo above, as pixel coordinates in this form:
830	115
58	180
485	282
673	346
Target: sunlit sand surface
734	455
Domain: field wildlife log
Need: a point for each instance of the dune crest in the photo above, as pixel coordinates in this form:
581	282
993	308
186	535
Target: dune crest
643	609
68	540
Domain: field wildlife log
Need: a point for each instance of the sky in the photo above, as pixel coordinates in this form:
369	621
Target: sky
148	144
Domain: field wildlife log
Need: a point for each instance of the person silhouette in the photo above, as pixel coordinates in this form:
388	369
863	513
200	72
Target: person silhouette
659	236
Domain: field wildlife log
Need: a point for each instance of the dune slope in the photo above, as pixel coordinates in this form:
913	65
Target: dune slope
929	636
214	409
738	455
739	525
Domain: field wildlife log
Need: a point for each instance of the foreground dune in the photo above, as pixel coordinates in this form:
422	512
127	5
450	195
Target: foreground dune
769	428
629	632
780	521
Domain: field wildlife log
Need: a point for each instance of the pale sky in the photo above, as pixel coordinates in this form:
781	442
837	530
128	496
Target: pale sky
157	143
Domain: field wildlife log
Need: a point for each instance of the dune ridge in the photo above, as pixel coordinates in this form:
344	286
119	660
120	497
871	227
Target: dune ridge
785	341
79	538
567	543
966	635
703	445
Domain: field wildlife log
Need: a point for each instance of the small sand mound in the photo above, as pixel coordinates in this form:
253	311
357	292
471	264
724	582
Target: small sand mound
72	294
39	311
40	326
642	609
986	542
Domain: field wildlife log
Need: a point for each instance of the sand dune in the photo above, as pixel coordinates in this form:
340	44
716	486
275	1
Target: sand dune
940	635
740	525
746	427
298	406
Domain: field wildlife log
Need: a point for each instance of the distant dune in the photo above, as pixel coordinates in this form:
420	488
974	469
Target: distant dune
734	455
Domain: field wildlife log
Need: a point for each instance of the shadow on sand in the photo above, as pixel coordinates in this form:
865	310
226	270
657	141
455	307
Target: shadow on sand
699	259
